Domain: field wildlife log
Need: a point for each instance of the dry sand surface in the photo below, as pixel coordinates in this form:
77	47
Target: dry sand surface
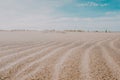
35	55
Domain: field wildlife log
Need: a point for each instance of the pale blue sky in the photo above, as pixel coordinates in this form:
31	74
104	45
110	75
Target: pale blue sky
60	14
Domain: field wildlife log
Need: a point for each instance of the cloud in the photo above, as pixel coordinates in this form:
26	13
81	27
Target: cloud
44	14
92	4
112	13
27	12
62	23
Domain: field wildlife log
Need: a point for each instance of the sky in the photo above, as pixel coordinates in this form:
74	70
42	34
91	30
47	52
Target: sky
60	14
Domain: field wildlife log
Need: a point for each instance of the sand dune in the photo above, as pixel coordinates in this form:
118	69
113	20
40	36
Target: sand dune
34	55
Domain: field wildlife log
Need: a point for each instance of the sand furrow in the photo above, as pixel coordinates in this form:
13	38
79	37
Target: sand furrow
113	51
21	49
23	57
59	66
111	44
117	44
99	69
85	60
56	56
6	45
53	59
12	57
84	66
41	59
111	63
12	46
16	46
67	66
8	55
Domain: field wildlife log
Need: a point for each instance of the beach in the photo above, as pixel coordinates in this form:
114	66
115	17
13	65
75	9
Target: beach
59	55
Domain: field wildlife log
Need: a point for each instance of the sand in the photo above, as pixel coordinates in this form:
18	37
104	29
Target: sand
39	55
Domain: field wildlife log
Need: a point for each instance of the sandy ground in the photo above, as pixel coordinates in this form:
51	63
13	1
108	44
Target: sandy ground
34	55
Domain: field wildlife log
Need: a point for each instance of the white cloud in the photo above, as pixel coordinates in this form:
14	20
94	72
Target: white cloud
112	13
92	4
26	14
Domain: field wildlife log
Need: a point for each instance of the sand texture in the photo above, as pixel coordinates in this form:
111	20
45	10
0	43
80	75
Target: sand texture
35	55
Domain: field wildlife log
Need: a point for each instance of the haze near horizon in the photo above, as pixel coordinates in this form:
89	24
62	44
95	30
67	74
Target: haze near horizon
60	14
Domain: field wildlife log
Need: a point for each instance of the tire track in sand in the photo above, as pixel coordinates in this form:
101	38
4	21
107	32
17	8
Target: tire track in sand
13	58
29	66
63	70
99	68
22	58
11	69
59	66
18	50
85	61
111	44
9	47
111	63
117	43
63	49
8	56
14	46
113	51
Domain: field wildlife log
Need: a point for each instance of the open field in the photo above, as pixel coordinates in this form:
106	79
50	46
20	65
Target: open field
34	55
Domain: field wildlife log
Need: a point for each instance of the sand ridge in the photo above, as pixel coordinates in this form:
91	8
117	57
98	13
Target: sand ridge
59	56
